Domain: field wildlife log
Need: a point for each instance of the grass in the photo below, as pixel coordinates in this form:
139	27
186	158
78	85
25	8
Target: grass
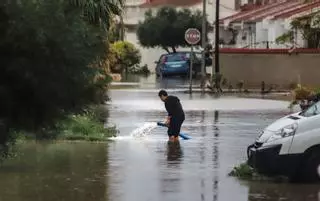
81	127
245	172
88	126
11	148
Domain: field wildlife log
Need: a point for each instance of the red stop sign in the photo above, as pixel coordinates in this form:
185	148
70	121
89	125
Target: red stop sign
192	36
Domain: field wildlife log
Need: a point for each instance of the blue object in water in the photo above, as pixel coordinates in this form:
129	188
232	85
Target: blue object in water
182	135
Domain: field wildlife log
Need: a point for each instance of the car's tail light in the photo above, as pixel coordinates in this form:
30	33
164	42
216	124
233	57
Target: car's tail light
165	59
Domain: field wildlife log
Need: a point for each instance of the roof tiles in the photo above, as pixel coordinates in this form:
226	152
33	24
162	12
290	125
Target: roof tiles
281	9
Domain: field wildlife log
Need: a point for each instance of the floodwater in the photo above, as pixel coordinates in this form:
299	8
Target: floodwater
147	168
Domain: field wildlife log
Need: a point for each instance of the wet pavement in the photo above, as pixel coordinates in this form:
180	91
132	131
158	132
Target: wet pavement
147	168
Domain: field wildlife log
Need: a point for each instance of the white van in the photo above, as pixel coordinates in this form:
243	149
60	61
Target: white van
290	146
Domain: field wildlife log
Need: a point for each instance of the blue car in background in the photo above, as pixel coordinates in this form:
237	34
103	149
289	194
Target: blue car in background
177	63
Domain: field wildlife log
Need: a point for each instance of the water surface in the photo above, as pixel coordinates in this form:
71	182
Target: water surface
148	168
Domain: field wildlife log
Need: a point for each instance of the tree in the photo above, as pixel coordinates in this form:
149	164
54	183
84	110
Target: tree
166	29
115	31
127	56
309	26
50	62
99	12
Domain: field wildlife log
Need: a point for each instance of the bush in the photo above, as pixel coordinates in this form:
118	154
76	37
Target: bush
143	70
302	93
244	171
126	57
49	65
51	53
304	96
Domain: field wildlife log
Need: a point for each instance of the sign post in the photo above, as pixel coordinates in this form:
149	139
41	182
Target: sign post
216	49
192	37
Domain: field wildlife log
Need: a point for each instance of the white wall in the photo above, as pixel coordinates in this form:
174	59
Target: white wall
134	14
276	29
261	35
271	30
301	42
267	30
245	37
227	8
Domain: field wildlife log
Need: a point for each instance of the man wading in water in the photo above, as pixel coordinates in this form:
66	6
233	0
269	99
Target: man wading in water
175	115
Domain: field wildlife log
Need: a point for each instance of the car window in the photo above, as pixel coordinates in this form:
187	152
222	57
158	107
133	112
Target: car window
179	56
175	57
312	110
197	55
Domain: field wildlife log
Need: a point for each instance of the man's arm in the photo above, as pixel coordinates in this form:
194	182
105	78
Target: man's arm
169	107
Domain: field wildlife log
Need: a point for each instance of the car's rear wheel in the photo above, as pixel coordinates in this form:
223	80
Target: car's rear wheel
311	168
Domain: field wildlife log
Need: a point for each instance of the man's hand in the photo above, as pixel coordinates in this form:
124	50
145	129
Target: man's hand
167	121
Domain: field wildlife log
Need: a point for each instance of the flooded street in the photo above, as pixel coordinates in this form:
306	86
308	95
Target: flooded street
146	168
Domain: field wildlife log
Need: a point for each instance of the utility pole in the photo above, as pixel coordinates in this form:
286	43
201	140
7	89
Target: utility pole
216	55
204	42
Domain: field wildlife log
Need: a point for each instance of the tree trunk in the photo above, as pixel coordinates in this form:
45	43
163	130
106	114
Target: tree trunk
166	49
122	32
174	49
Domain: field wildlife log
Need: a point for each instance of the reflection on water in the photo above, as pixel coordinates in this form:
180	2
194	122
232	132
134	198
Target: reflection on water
174	152
51	172
215	154
171	180
271	192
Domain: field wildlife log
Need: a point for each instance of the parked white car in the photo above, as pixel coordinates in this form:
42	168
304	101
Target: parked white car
290	146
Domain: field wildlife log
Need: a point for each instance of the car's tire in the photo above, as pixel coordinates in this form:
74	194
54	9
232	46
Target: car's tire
311	168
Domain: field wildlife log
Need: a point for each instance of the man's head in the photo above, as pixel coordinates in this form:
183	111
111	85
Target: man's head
163	95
